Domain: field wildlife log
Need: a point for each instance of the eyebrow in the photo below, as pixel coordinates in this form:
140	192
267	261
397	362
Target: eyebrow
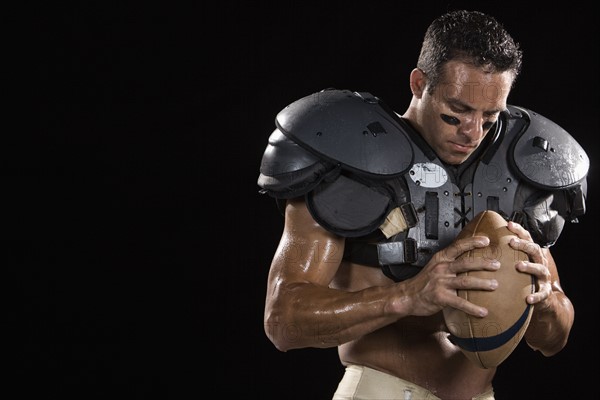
460	104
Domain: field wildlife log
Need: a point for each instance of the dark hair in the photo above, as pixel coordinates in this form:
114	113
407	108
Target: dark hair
469	36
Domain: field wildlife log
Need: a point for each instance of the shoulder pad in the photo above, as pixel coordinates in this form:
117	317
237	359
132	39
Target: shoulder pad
287	170
353	129
347	207
545	154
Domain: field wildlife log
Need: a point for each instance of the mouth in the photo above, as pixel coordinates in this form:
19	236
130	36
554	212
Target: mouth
462	148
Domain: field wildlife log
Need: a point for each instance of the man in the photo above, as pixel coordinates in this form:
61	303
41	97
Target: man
373	202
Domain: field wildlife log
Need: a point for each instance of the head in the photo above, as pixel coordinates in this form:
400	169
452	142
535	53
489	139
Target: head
466	69
468	36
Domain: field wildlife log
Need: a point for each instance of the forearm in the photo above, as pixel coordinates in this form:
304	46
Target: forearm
550	325
331	317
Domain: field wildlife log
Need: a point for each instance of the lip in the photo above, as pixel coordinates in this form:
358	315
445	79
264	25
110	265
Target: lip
461	148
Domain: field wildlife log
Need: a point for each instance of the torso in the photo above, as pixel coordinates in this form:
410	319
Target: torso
416	349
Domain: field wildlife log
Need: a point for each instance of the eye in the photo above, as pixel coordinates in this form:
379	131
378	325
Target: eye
450	120
488	125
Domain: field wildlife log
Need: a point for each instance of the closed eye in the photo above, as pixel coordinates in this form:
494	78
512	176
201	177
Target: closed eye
449	119
488	125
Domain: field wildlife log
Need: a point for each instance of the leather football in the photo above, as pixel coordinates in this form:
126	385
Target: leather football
488	341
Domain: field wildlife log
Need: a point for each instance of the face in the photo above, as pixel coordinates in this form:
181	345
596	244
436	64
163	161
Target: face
457	116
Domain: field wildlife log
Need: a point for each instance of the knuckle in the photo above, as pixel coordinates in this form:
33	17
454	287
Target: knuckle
463	281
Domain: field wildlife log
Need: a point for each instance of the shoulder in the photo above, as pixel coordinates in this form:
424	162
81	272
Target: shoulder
545	154
300	223
355	129
335	149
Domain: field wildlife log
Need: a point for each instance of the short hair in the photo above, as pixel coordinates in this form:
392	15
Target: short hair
469	36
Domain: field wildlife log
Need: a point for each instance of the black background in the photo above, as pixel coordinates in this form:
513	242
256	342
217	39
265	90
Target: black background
142	248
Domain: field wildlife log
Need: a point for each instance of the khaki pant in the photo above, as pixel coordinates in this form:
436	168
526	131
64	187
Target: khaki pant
364	383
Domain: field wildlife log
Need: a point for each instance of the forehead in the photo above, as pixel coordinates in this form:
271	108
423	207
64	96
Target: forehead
474	86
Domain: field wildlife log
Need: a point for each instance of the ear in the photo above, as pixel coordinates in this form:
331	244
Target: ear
418	82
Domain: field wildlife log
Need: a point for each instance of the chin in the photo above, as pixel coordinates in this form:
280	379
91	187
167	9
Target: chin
455	160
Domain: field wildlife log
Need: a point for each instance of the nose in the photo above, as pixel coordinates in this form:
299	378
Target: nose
472	128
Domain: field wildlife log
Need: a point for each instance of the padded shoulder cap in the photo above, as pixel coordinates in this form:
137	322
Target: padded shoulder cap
547	155
354	129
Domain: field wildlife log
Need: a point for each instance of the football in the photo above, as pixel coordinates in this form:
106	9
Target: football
488	341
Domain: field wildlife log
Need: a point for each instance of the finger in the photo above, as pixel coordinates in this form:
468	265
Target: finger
533	250
539	271
469	282
453	251
468	264
519	230
464	305
537	297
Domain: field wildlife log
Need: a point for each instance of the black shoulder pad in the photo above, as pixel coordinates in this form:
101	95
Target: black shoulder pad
347	207
353	129
287	170
545	154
